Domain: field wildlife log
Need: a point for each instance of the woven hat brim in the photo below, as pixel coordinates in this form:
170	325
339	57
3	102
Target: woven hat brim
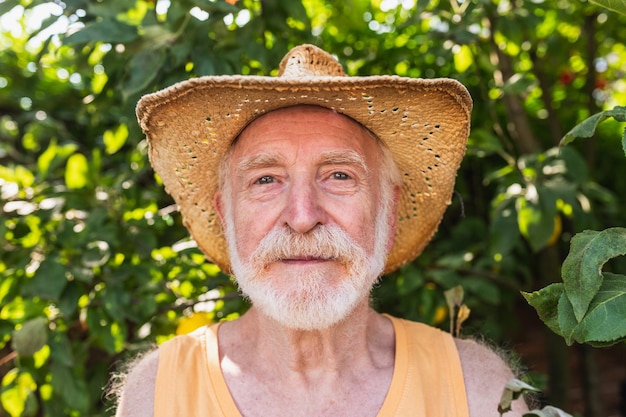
424	122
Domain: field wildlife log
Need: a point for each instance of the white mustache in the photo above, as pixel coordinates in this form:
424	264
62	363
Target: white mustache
323	242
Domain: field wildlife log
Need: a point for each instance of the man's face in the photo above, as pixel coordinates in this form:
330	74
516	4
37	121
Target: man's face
302	214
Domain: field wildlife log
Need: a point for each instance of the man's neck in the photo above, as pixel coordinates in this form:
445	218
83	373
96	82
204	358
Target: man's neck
343	370
363	336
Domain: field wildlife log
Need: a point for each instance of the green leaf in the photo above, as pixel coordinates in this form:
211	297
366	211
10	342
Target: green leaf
582	269
546	302
604	322
618	6
143	68
114	139
61	349
76	171
587	127
48	282
503	231
107	31
72	389
567	319
32	336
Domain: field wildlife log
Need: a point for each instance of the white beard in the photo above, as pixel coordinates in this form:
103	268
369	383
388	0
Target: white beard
309	301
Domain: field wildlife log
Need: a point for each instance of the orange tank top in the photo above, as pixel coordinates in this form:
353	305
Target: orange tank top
427	378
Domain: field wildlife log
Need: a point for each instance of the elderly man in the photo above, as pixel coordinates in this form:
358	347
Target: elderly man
308	187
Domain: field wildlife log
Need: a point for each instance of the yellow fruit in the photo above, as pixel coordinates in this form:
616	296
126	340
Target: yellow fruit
193	322
441	313
556	232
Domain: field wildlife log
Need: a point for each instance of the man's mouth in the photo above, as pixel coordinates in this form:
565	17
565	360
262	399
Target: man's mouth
305	259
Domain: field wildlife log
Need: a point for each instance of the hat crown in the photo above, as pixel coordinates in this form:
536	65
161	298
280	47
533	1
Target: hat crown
309	61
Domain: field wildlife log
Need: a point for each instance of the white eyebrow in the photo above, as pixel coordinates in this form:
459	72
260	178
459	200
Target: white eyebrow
261	160
344	158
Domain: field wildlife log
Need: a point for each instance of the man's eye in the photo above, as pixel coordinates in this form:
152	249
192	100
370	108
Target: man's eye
266	179
340	176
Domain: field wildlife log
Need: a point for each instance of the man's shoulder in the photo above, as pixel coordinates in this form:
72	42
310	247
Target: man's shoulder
136	387
486	370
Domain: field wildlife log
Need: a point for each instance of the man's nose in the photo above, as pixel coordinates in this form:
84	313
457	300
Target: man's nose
303	211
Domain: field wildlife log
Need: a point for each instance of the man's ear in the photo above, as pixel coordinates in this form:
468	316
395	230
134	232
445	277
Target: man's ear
393	217
219	205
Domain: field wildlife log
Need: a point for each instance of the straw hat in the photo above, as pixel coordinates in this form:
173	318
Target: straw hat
424	122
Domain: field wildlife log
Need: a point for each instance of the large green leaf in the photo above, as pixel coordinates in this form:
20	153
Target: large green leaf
606	319
582	269
604	323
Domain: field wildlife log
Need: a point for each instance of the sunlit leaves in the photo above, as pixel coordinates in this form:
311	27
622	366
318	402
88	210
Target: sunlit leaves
18	393
77	171
463	58
541	188
53	156
114	139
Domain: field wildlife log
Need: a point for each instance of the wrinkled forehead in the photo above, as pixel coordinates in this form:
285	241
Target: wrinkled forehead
269	126
320	114
307	115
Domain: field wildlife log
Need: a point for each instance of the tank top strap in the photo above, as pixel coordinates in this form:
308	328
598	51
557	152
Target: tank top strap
188	376
428	378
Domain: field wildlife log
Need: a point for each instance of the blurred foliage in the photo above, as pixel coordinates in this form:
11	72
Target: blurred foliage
94	261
